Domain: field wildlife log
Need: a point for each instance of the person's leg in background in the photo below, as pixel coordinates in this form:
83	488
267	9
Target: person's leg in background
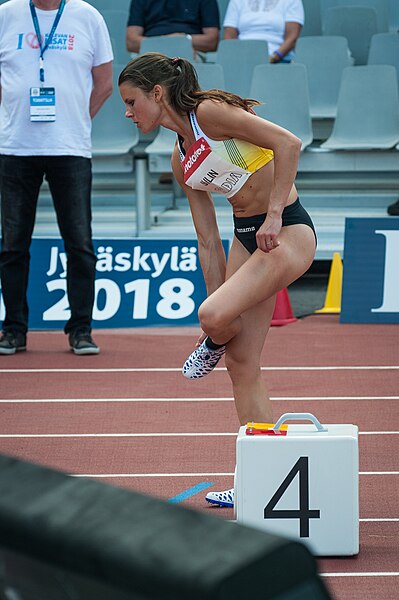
70	178
21	179
393	209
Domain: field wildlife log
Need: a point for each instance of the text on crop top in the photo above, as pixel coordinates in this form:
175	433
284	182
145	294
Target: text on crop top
220	166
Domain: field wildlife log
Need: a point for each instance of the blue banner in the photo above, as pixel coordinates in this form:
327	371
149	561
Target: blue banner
370	288
138	283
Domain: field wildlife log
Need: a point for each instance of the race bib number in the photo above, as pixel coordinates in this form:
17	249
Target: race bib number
205	170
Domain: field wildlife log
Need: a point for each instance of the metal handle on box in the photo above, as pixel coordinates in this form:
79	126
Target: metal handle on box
297	416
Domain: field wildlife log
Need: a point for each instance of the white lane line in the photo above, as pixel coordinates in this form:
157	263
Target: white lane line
365	574
132	475
178	369
150	434
379	520
214	399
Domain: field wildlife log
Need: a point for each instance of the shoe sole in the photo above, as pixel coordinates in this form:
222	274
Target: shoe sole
220	503
12	350
86	351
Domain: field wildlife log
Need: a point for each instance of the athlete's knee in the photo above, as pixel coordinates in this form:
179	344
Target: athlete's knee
211	322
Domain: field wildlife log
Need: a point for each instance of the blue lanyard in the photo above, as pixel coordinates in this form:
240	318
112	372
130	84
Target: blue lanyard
38	34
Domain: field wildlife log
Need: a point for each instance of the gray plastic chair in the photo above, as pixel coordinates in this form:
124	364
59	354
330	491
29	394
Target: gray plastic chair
121	54
116	21
171	45
384	50
238	59
102	5
358	24
210	76
160	151
312	25
325	57
381	8
368	110
112	133
283	89
393	16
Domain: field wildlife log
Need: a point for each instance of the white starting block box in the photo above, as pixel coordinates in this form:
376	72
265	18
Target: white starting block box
300	481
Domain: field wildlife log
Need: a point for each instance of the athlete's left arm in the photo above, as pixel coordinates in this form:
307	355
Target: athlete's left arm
102	86
220	120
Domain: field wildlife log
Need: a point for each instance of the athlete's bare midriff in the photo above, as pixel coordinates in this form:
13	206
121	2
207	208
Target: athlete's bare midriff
253	198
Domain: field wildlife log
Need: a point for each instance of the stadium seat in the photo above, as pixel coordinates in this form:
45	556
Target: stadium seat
283	90
381	8
116	21
368	110
113	135
102	5
121	55
160	151
238	59
171	45
210	76
358	24
222	4
312	25
325	57
384	50
393	16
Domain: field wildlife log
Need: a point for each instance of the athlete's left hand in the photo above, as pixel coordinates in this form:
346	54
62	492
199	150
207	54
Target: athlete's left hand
200	339
267	234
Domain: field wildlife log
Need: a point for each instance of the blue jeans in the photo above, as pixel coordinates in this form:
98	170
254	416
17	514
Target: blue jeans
69	179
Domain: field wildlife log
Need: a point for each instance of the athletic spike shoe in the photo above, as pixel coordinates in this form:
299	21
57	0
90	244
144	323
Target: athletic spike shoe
225	499
202	361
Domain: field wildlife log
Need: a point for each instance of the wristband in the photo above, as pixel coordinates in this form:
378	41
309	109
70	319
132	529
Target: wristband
279	54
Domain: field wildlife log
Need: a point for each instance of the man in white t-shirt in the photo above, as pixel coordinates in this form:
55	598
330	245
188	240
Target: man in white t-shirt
55	74
278	22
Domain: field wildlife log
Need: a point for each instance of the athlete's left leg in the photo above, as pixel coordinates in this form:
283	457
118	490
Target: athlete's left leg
255	280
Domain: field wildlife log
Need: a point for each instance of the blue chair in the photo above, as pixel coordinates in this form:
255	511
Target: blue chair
102	5
384	50
368	110
210	76
171	45
283	90
325	57
113	136
238	59
116	21
312	25
393	16
358	24
381	8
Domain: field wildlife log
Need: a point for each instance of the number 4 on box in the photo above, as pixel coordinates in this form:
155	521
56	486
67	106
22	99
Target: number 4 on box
304	514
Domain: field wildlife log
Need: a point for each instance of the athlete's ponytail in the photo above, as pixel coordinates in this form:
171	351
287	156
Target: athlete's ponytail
179	77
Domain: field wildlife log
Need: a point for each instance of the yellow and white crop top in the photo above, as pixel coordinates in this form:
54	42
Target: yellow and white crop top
220	166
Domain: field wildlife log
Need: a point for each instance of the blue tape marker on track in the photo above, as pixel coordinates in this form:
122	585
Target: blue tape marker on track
190	492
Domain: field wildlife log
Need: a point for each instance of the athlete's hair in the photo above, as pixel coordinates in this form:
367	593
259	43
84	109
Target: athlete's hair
179	77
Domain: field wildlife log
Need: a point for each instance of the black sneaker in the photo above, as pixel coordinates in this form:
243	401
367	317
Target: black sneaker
393	209
81	342
12	342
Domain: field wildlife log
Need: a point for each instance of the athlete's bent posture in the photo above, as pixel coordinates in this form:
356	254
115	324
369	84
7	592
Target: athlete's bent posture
224	148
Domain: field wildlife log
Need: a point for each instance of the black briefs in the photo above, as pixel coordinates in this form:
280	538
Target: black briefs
245	228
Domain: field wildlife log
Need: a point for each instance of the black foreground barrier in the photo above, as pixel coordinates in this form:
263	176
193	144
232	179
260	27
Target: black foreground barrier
72	538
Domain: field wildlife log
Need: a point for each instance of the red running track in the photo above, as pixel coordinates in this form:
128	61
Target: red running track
129	418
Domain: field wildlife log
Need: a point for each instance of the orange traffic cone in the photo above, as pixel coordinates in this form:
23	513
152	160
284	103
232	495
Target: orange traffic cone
283	311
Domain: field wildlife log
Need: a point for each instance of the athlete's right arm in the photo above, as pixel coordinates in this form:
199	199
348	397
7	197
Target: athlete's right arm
210	248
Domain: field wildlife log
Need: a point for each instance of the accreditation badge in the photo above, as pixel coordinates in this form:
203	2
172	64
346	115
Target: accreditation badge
42	104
